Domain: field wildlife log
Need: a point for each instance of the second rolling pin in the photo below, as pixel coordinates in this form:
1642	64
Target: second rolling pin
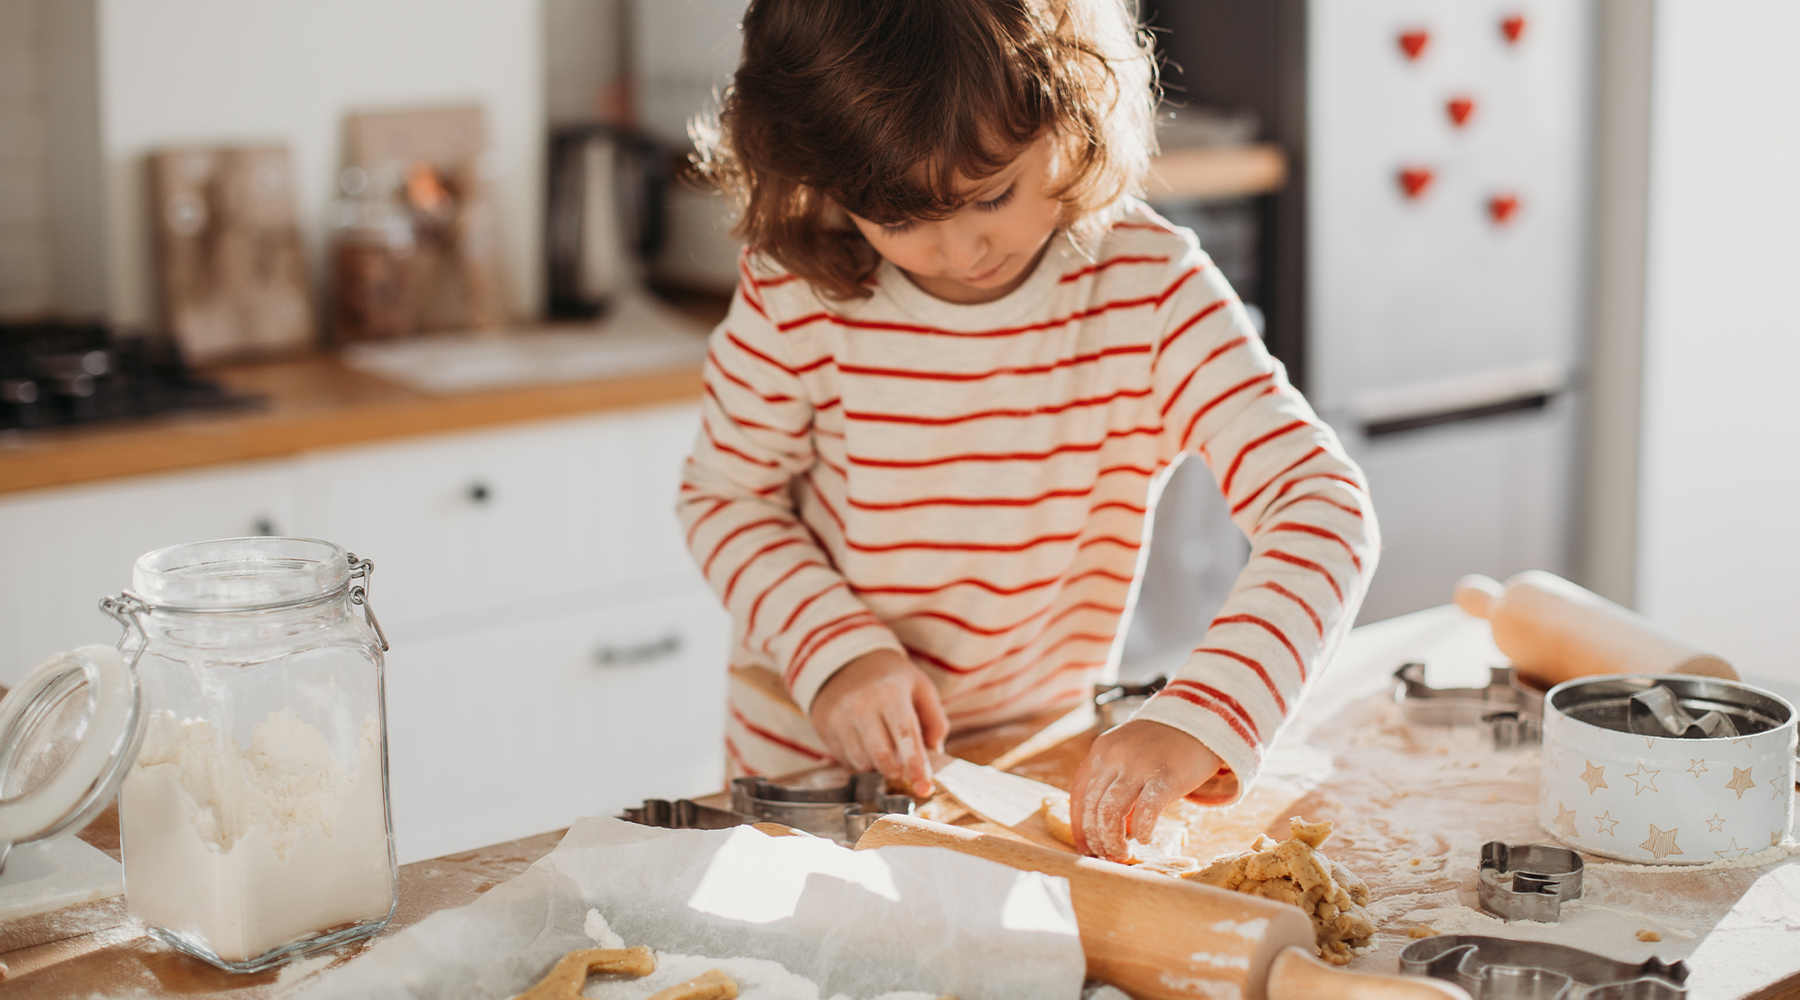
1555	631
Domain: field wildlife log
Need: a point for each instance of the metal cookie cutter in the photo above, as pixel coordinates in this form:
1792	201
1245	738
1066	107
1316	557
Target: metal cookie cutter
1498	969
684	814
840	812
1115	704
1528	881
1511	709
1657	712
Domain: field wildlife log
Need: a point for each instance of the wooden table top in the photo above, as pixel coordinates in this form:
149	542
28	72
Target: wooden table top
1401	827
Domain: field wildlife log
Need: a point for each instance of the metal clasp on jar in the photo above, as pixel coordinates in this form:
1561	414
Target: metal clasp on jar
359	593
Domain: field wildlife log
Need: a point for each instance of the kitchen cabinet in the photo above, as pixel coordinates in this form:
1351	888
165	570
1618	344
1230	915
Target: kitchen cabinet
65	548
505	732
555	651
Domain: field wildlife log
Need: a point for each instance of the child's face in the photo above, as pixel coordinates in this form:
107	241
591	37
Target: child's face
989	247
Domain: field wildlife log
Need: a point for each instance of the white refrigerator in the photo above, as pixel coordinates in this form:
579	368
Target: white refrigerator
1447	205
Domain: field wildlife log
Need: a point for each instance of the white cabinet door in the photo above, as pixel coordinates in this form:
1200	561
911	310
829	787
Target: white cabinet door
470	529
67	547
511	731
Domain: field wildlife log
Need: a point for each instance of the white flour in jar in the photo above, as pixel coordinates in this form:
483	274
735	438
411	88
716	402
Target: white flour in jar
244	849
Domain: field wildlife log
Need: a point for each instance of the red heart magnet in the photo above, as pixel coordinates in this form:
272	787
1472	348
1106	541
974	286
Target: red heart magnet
1413	42
1414	180
1459	109
1512	26
1502	207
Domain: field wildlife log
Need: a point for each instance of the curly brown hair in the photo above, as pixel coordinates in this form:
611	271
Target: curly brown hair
889	108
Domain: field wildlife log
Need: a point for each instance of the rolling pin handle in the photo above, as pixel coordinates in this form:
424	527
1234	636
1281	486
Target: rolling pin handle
1298	975
1475	592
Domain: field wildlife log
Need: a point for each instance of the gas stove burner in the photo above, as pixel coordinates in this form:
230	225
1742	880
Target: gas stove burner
61	373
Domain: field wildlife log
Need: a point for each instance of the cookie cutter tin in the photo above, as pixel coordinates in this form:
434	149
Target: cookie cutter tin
1527	881
1493	968
1511	708
1611	785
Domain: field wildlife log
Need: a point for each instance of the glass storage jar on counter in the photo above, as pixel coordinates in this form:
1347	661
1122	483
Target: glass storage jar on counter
254	823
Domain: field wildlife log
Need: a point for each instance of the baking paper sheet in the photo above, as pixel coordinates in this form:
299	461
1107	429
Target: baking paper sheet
858	923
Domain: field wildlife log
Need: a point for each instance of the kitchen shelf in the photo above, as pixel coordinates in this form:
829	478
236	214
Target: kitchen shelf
1207	172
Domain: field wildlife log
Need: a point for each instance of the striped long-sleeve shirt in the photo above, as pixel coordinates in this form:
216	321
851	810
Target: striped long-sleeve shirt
972	485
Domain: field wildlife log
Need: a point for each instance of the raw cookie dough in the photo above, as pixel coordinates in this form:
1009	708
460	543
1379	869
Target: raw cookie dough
1294	871
1163	856
710	985
566	978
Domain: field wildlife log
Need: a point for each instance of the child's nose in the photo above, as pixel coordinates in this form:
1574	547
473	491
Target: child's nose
964	247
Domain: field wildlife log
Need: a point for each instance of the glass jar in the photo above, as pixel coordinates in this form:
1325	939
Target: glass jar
254	824
373	260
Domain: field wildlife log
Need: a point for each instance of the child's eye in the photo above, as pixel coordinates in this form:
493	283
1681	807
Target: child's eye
997	202
898	228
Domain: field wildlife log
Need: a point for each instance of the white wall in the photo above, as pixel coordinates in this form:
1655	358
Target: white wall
175	72
1718	539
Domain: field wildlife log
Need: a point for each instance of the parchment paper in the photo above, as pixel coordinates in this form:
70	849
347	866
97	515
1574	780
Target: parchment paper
858	923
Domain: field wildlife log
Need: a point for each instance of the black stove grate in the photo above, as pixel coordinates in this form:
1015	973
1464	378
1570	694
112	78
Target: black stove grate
55	374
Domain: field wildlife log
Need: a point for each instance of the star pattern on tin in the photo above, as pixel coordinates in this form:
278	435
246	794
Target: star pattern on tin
1556	758
1565	820
1728	851
1645	779
1604	823
1741	781
1745	740
1697	767
1661	843
1776	787
1774	837
1649	743
1715	824
1596	777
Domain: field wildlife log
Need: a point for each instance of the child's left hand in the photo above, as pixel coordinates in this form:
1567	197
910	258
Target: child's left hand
1128	778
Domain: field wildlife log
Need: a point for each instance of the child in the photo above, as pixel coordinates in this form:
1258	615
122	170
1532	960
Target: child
960	362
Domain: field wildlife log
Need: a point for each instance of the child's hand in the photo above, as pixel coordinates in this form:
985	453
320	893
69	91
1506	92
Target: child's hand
1128	778
881	712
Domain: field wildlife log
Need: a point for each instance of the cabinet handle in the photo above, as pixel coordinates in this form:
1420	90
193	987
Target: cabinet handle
480	492
644	652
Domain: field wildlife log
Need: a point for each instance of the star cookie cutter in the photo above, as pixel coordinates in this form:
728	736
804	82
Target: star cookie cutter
1491	968
1527	881
1511	709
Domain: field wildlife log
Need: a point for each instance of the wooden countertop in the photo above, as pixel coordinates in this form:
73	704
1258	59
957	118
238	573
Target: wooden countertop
1400	827
311	402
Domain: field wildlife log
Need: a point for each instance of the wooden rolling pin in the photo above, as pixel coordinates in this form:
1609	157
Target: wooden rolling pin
1555	631
1159	938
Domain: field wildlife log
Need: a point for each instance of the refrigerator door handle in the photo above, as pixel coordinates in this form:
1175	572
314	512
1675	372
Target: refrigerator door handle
1412	406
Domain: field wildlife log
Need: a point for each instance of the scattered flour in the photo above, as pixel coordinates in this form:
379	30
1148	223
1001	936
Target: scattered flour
245	849
603	936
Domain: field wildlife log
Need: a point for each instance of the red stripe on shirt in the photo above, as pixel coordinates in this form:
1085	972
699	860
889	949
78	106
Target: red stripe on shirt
1318	625
1256	667
719	546
1103	265
1238	462
1223	699
1041	411
1294	560
778	740
1272	480
1308	529
1269	627
754	556
1010	456
940	376
1196	698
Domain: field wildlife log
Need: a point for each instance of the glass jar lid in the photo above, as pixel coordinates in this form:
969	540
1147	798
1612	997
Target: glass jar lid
68	733
240	574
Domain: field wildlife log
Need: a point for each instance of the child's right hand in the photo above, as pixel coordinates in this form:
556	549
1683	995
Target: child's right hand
880	712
